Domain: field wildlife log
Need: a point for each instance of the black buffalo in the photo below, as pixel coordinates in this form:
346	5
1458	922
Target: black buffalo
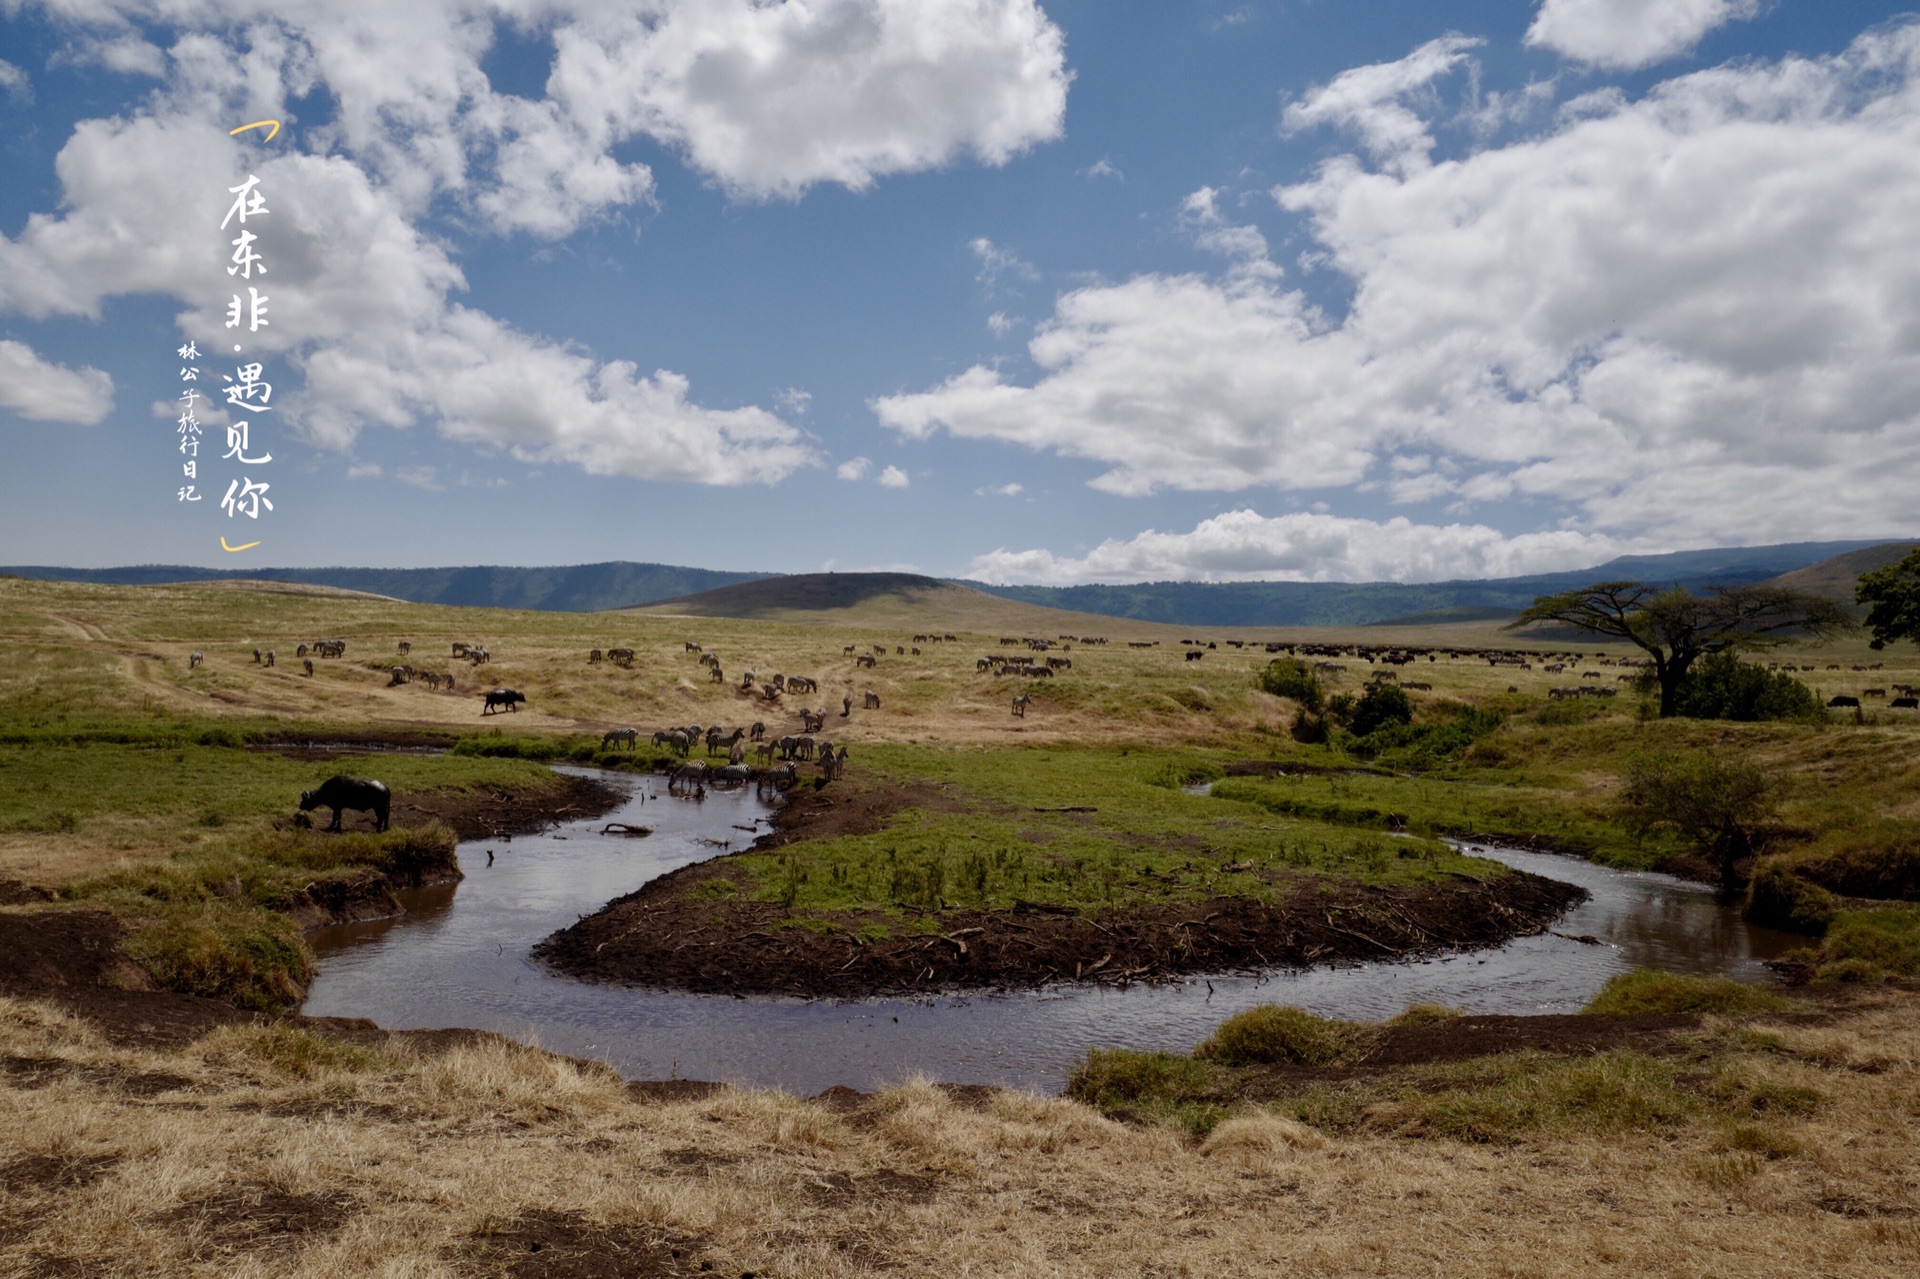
361	794
507	697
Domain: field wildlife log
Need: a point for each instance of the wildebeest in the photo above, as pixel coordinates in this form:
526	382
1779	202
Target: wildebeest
269	657
507	697
594	655
758	731
195	658
871	700
309	667
405	648
812	721
616	736
361	794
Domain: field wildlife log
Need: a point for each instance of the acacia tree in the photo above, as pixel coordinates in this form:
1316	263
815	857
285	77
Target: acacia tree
1894	593
1677	628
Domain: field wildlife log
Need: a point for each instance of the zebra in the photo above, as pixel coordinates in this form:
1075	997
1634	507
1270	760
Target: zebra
614	736
872	701
1021	703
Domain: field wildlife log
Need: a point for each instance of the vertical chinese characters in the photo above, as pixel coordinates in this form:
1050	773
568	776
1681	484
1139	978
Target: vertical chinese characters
247	390
189	424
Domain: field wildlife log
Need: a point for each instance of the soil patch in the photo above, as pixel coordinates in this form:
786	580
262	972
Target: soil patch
72	957
565	1245
850	807
665	935
500	814
54	1172
15	893
253	1215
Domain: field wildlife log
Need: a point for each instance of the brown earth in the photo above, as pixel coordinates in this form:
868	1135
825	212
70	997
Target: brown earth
664	936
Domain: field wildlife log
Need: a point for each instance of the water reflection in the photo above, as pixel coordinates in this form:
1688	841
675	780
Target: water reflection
460	958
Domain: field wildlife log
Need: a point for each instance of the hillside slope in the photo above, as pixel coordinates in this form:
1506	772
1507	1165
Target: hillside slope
577	588
1837	577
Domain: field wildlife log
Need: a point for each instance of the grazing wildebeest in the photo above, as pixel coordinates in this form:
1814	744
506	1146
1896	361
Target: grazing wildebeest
301	651
256	656
812	721
309	665
758	731
1905	703
692	647
358	793
405	648
507	697
622	657
617	736
195	658
872	700
398	678
716	675
1021	703
269	657
594	656
864	659
449	683
846	706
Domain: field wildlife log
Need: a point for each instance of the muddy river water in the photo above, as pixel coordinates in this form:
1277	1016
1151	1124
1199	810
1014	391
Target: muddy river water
460	958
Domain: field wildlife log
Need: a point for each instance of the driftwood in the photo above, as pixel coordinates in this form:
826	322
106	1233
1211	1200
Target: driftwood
621	828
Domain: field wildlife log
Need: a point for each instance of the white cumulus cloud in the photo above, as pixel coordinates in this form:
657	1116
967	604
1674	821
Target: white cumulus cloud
1694	316
42	391
894	478
1245	546
1378	102
1627	34
854	468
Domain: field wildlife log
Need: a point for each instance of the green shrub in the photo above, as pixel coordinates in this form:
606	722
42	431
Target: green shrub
1716	802
1290	677
1381	705
1780	898
1451	728
1648	991
1281	1035
1721	686
1882	860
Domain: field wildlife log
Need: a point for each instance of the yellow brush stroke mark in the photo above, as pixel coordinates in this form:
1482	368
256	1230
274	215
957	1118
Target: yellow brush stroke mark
257	124
243	546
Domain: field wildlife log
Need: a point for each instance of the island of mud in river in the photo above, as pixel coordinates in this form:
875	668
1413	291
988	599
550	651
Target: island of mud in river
678	932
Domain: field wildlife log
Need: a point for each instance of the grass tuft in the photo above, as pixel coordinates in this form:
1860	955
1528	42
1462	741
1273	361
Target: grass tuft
1646	991
1281	1035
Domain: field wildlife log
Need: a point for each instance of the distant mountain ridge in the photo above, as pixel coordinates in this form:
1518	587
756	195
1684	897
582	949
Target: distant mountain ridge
624	584
1380	603
578	588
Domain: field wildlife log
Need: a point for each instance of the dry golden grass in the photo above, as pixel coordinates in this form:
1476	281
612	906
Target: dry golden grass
410	1155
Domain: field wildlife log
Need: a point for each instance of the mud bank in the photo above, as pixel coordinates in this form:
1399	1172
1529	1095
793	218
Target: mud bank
669	935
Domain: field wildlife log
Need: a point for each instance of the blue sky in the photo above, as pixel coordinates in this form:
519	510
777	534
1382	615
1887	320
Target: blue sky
1052	292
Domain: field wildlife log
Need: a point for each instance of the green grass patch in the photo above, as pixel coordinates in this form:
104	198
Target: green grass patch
1869	946
1091	828
1647	991
1281	1035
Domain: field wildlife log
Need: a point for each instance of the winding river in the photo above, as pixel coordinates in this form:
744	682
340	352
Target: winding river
460	958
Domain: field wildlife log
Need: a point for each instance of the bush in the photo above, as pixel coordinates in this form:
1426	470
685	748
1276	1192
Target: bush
1292	678
1721	686
1281	1035
1380	706
1718	804
1778	898
1647	991
1451	729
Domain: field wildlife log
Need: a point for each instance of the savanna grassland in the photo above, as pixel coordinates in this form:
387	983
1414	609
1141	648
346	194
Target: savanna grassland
163	1115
